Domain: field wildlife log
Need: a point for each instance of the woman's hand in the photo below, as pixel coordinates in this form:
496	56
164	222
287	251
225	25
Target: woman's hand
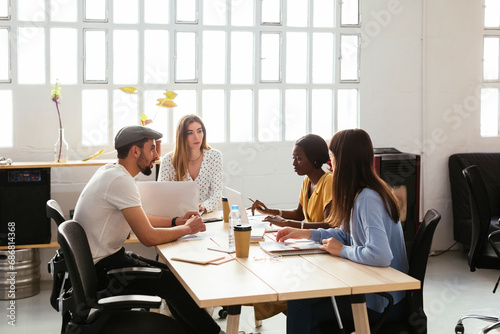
259	206
201	208
295	233
276	220
332	246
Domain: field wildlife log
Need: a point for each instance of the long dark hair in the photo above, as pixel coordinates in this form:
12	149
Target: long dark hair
352	171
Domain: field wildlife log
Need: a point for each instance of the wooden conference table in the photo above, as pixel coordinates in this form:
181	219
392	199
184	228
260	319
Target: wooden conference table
259	278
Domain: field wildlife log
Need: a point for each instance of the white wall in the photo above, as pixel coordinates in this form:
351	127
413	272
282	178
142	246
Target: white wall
421	70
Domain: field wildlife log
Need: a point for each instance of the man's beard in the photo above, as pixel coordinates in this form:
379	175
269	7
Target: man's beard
146	170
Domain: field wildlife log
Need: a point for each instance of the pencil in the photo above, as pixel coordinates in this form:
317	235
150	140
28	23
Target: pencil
251	200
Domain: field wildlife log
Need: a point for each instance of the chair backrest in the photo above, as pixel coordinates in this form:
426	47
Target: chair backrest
75	246
480	213
422	244
54	211
418	266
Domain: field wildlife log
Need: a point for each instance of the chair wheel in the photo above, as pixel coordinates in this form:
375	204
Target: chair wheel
222	313
459	329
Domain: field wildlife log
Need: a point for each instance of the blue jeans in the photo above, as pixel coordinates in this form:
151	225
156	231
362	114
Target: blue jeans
304	315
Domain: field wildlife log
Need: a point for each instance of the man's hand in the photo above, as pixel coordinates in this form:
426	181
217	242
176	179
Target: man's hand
195	224
182	220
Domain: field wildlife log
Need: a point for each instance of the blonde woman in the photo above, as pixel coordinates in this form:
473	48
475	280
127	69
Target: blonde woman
194	160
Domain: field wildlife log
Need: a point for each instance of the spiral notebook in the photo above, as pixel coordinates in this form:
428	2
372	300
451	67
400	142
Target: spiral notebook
291	248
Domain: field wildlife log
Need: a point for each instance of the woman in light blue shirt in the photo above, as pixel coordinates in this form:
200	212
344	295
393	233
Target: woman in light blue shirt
370	233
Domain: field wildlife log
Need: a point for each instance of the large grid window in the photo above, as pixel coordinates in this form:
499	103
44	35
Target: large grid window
262	70
491	70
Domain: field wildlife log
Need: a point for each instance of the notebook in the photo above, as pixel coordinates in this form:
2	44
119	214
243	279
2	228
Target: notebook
235	198
168	198
200	257
291	248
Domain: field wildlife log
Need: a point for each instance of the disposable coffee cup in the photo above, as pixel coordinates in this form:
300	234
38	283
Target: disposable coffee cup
242	240
225	209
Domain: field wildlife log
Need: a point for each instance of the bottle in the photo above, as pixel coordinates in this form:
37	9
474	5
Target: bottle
225	209
234	219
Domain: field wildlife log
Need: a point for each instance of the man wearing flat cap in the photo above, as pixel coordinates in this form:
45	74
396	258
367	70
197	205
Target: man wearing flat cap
110	206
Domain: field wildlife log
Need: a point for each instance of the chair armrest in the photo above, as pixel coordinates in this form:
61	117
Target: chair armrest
493	238
129	302
136	272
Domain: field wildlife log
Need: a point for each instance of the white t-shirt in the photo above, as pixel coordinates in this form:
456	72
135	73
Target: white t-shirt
98	209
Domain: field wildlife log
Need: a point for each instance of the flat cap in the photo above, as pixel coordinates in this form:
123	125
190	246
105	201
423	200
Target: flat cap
133	133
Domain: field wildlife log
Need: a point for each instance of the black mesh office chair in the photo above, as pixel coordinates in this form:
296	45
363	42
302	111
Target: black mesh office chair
92	313
416	321
482	254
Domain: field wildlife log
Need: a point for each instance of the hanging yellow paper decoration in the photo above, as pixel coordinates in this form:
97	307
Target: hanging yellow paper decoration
128	90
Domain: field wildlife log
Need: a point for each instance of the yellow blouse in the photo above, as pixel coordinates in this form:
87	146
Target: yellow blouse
314	206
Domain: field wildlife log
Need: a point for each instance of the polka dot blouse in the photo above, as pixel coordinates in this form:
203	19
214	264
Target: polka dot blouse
209	179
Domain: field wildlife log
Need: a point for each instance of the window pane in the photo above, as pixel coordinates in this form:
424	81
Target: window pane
95	10
31	10
186	11
242	57
323	57
491	58
295	114
95	123
158	115
185	57
187	102
349	12
271	11
4	9
95	63
6	114
297	13
296	57
269	115
323	13
156	55
270	57
240	113
125	57
492	13
125	11
322	112
156	11
349	45
214	57
347	109
125	110
213	115
242	13
489	112
63	55
31	41
4	55
63	11
214	12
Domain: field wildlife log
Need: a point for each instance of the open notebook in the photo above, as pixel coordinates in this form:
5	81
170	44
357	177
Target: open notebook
291	248
236	198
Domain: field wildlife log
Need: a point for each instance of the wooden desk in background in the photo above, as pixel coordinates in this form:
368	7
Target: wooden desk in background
259	279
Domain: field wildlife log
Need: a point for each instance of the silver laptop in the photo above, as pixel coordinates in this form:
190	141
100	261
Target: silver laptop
169	198
236	198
